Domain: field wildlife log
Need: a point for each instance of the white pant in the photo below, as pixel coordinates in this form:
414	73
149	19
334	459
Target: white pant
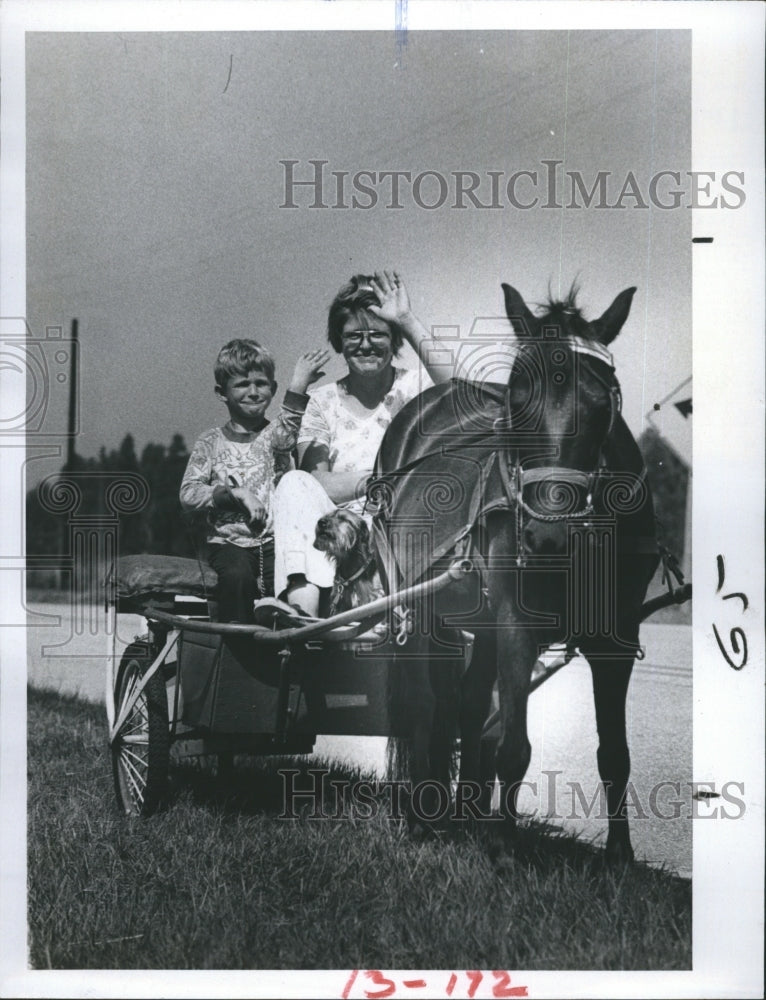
299	502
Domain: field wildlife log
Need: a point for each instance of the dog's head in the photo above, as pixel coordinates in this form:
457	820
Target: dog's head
341	533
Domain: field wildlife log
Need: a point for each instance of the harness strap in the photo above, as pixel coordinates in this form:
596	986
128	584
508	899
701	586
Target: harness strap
524	476
670	567
505	478
386	560
375	501
559	474
596	350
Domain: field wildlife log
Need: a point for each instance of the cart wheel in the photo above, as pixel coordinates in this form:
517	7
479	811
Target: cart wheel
141	748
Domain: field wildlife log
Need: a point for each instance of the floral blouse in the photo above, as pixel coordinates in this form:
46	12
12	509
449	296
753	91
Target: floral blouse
352	440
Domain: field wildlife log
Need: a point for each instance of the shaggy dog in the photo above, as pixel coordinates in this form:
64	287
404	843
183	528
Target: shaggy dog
345	537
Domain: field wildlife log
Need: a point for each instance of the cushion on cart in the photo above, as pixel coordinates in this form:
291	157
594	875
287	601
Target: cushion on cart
143	578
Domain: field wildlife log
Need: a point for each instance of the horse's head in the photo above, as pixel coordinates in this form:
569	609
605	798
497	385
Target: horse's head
562	400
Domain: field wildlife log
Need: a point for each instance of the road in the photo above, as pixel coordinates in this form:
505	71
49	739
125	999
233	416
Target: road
66	651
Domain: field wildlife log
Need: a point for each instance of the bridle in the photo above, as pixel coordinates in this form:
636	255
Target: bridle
515	477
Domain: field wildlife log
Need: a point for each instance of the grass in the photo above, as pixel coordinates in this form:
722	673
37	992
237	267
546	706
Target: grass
218	881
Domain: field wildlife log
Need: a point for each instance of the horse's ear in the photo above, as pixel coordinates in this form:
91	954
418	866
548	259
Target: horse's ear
607	327
522	320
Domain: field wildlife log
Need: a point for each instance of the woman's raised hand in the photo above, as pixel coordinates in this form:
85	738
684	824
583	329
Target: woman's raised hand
395	309
308	368
392	294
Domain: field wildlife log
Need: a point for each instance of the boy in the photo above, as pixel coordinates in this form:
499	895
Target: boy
233	470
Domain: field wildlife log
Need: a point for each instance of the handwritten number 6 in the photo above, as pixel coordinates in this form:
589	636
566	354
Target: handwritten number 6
735	646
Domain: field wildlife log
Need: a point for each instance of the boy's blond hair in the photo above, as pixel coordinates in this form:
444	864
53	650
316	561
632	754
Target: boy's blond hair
239	357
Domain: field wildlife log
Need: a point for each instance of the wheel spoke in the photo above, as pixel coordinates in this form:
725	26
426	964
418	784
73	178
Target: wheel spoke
140	762
139	725
138	714
130	688
136	793
137	756
132	772
138	717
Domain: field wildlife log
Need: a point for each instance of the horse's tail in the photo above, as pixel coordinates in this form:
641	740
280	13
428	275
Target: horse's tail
398	759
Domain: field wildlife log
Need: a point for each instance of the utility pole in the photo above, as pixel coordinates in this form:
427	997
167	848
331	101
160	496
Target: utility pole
72	420
70	453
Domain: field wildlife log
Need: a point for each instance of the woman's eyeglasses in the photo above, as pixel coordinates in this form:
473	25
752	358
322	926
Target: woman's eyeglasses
354	337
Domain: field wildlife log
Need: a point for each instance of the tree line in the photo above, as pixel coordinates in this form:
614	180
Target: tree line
159	527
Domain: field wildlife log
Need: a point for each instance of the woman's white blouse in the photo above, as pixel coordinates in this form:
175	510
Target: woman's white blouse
352	440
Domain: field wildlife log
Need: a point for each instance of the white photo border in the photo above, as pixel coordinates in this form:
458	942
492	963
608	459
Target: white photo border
728	316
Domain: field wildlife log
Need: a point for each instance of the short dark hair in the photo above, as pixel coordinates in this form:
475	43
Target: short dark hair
239	357
354	299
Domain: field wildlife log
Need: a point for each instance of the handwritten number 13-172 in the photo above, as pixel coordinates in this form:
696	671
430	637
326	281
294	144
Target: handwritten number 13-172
737	636
387	987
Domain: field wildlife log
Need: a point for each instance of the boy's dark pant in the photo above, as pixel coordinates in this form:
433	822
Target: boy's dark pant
238	571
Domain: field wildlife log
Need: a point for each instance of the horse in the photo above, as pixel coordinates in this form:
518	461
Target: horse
541	485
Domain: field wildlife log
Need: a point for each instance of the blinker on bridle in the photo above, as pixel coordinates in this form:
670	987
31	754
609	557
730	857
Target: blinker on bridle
516	478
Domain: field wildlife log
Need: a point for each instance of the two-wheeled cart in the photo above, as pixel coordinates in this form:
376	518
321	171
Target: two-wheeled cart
225	688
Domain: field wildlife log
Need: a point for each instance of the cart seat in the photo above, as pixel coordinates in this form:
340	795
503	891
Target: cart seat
138	580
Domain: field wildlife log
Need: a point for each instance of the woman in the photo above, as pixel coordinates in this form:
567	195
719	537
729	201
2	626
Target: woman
344	423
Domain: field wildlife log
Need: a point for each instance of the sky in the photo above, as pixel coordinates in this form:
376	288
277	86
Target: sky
154	194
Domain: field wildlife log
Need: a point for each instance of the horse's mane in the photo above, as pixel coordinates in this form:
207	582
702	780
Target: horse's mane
564	313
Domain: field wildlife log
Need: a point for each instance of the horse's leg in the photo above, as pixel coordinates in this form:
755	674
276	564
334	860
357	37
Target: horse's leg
412	711
611	676
446	668
445	684
516	655
611	660
477	774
